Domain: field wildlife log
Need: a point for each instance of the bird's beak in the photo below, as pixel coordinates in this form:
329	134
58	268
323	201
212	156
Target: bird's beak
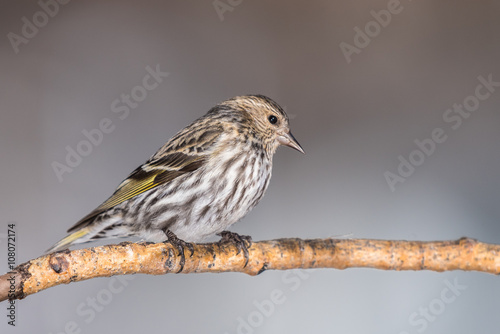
289	140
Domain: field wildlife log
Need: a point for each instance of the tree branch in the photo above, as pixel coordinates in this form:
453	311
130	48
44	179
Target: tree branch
282	254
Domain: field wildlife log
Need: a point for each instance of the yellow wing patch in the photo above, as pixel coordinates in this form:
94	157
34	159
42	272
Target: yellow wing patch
144	178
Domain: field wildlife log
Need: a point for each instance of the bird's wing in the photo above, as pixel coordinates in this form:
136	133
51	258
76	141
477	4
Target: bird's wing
155	172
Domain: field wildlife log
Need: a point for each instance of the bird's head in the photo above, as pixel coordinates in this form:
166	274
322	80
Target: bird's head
267	121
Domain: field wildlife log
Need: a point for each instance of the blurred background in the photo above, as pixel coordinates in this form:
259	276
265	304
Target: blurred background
363	82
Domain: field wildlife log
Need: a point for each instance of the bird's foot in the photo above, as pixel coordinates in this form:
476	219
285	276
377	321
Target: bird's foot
180	245
240	241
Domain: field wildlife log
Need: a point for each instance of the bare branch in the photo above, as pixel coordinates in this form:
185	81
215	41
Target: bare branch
282	254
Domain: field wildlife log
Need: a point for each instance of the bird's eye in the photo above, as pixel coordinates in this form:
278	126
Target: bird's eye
272	119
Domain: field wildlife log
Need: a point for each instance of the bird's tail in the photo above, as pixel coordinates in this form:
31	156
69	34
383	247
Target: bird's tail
79	236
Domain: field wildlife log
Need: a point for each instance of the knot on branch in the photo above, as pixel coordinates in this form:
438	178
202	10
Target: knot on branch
58	262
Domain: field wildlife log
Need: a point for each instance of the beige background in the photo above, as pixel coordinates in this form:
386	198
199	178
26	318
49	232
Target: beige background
353	119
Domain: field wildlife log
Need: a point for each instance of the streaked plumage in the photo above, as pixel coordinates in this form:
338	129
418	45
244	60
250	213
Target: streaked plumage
204	179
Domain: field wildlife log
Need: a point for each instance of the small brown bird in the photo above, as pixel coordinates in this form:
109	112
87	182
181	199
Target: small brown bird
203	180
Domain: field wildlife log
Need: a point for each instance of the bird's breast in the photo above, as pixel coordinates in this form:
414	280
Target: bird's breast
210	199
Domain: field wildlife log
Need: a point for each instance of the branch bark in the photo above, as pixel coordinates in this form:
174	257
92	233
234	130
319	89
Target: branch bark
281	254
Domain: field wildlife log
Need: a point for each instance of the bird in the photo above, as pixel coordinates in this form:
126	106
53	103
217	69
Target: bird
201	181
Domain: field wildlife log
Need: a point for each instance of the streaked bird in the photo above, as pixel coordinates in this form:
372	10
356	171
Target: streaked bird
203	180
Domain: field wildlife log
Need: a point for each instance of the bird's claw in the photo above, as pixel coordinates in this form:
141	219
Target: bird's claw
180	245
240	241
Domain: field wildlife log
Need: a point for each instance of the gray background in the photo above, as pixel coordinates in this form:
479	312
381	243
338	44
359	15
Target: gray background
353	119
